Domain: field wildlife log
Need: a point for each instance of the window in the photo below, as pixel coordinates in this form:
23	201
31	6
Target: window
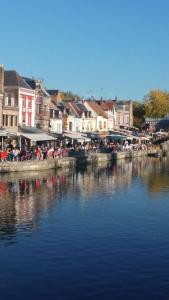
16	121
56	114
24	102
9	99
104	124
12	120
29	103
100	124
29	119
40	108
51	113
6	121
70	126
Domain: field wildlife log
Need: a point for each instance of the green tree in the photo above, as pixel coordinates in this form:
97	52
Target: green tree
157	104
138	113
69	96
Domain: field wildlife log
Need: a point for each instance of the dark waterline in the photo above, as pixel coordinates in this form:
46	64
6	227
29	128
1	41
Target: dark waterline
93	233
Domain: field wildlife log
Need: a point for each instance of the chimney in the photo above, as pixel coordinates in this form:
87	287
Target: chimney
1	79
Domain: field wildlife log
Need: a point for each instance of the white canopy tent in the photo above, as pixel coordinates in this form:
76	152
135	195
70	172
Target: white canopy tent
37	137
77	136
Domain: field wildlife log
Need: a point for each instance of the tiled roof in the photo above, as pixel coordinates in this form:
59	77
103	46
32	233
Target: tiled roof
53	105
122	102
82	107
31	82
74	107
107	105
96	108
12	78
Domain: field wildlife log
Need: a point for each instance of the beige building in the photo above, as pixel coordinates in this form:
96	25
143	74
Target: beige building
98	114
124	113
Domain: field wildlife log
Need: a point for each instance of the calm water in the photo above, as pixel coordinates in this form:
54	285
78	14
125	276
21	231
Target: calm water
98	233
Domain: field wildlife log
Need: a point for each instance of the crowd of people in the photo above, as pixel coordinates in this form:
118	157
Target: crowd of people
11	152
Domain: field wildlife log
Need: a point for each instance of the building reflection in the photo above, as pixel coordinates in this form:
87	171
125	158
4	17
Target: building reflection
24	197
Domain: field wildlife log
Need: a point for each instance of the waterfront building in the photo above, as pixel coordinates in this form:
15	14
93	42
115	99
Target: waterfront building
108	107
124	113
78	115
42	104
99	115
18	107
56	126
55	96
68	118
88	121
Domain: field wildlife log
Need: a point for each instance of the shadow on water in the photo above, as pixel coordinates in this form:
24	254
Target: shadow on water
25	196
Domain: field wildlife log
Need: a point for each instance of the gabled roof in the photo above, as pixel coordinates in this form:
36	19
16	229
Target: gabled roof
107	105
75	109
53	105
12	78
82	107
32	83
96	108
122	102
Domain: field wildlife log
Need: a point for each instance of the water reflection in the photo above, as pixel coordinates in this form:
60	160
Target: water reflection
24	197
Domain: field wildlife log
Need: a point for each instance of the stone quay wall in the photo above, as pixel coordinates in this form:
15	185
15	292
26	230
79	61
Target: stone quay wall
77	159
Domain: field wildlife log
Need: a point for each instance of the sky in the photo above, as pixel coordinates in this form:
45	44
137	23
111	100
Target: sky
99	48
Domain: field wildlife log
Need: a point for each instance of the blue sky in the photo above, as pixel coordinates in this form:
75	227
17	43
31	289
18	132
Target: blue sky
92	47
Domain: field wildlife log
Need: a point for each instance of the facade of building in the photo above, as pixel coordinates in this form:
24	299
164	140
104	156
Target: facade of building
18	103
55	96
109	108
77	113
25	102
42	104
124	113
55	119
88	122
99	115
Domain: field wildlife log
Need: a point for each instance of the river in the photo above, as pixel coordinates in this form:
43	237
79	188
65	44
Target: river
92	233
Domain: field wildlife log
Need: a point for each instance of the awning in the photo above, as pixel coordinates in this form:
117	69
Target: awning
37	137
77	136
6	133
116	137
